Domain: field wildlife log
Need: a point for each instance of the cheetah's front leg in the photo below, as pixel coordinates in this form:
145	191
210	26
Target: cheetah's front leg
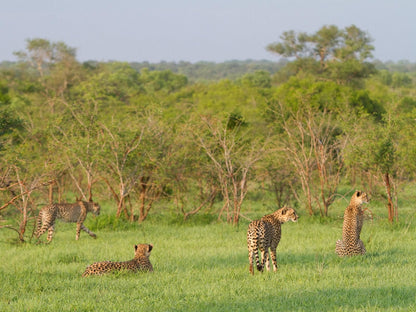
40	231
50	232
87	230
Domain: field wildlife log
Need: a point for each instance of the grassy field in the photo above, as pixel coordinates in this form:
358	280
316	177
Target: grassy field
204	267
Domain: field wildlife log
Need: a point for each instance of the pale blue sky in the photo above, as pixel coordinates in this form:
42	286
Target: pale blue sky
210	30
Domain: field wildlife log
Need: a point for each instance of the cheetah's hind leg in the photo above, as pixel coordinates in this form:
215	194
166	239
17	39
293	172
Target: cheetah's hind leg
251	257
265	260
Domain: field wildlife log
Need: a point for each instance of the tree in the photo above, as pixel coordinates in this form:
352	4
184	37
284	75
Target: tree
191	181
56	67
305	115
342	54
356	44
122	163
136	160
274	174
10	123
78	140
326	41
372	148
21	197
232	158
309	142
292	45
258	79
154	160
23	174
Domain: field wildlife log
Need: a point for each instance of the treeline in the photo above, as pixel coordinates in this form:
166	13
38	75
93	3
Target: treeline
195	72
210	71
235	69
109	131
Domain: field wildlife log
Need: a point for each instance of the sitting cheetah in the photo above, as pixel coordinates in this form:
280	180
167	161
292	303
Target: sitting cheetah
266	233
140	262
351	244
76	212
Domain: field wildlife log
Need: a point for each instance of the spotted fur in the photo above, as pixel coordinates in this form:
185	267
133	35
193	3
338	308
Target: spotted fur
140	262
76	212
266	233
351	244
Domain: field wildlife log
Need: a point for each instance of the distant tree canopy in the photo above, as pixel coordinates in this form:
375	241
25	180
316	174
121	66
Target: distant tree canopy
339	54
210	71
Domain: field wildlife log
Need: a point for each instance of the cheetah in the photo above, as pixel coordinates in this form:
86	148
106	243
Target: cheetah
140	262
266	233
351	244
76	212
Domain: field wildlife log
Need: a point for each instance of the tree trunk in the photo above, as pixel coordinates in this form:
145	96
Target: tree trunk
236	211
142	200
51	193
23	223
390	206
309	195
143	190
121	206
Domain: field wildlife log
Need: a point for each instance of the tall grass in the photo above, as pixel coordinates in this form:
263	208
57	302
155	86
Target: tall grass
204	267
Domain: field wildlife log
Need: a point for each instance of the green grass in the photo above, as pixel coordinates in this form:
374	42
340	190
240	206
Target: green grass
204	267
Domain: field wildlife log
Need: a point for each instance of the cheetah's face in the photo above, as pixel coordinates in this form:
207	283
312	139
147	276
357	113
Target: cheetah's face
359	198
143	249
96	209
289	214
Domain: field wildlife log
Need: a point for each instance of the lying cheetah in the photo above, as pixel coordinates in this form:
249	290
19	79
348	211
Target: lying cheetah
140	262
266	233
351	244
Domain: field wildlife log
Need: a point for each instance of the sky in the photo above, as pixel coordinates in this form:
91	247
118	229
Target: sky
197	30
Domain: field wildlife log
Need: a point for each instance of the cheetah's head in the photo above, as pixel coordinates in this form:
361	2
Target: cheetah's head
143	250
288	214
96	208
359	198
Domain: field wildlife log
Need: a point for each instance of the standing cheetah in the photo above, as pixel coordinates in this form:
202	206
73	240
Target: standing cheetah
140	262
266	233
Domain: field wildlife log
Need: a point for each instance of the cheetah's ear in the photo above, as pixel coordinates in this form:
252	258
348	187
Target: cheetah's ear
135	247
284	210
358	193
150	247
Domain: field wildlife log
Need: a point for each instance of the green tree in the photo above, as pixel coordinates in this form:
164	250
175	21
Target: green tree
372	148
55	65
121	161
326	41
356	44
342	54
232	158
309	142
10	123
258	79
292	45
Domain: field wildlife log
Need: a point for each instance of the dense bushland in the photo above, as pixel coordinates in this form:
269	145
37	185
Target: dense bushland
145	139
